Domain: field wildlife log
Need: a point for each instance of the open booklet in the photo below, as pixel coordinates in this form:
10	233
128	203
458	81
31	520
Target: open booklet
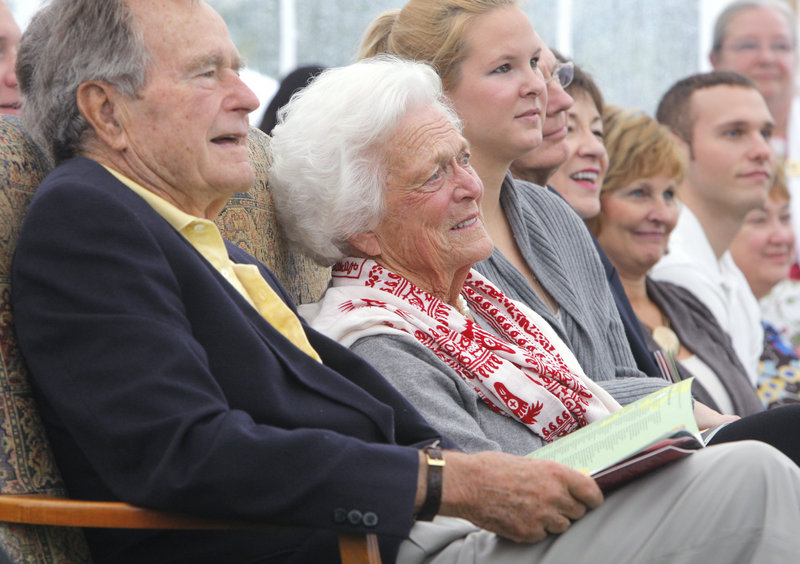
632	441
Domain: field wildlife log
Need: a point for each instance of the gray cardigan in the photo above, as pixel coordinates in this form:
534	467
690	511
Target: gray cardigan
694	323
448	403
560	252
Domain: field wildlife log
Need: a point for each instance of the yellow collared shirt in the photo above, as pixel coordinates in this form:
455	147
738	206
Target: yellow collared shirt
207	240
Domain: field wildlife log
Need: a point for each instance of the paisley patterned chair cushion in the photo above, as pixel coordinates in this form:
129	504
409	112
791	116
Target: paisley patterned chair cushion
249	221
26	463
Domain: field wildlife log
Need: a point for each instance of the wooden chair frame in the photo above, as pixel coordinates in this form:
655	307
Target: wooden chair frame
55	511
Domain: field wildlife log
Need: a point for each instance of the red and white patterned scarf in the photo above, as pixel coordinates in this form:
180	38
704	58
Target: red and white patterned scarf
527	373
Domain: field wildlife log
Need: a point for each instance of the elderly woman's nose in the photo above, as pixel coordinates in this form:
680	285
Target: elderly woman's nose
468	185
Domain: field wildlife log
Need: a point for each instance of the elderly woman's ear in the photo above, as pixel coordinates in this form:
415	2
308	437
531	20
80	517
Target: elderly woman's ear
366	243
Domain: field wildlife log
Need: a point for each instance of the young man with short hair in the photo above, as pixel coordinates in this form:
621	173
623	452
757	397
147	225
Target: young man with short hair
725	126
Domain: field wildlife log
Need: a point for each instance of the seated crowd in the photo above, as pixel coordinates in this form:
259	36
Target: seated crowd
509	254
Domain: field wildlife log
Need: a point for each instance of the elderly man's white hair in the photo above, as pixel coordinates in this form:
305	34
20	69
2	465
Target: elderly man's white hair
328	174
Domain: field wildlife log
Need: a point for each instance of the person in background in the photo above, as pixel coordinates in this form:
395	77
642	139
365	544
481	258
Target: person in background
758	38
390	197
576	129
724	126
764	251
638	211
291	83
579	177
10	102
537	166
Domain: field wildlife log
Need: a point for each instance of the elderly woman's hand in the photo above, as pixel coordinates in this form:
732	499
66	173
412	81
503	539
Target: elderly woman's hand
523	499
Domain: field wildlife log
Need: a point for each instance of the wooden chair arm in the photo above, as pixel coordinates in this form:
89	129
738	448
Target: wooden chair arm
62	512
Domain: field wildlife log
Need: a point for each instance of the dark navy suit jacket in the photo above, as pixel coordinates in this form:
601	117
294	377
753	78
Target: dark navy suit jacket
161	386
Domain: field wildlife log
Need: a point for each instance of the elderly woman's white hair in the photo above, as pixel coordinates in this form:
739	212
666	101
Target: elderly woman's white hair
328	174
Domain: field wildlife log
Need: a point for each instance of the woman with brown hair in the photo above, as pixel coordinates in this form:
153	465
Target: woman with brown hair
639	209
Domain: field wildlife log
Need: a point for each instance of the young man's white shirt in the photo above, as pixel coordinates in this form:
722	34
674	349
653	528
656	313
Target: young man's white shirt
691	263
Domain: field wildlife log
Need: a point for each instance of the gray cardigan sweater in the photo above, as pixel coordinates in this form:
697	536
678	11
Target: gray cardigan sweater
694	323
560	252
449	404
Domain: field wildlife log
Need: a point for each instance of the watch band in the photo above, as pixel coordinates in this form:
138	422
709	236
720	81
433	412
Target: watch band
433	493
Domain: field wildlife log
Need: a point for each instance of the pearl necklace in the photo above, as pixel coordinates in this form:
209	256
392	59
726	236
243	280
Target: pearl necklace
462	307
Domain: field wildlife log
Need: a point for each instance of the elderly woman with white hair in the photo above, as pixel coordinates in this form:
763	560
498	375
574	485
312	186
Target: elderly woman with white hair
372	175
402	260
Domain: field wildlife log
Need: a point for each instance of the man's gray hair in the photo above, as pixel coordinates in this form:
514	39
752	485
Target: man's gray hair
726	15
67	43
330	148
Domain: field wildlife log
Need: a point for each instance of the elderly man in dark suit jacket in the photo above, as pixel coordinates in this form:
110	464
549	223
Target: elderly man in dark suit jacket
172	371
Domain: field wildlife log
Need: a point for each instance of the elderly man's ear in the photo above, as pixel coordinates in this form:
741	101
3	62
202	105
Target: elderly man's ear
367	243
99	102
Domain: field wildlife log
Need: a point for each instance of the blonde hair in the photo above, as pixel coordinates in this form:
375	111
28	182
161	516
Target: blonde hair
780	188
429	31
638	147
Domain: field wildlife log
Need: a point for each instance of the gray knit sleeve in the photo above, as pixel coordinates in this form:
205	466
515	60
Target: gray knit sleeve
449	404
628	390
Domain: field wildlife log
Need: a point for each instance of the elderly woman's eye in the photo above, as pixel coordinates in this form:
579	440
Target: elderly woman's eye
465	159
